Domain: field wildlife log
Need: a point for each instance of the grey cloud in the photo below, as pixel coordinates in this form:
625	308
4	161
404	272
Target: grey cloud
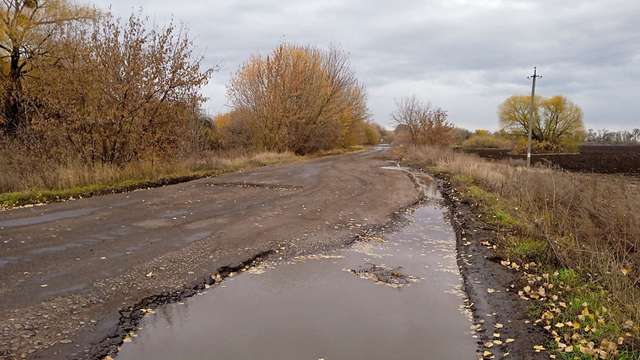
463	55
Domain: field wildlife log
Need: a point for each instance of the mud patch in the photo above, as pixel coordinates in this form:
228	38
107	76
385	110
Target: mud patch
393	277
247	185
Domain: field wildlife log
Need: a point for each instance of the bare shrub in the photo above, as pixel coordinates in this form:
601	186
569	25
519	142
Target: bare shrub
423	124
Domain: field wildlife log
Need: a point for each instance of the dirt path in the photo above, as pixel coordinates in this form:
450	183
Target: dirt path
67	269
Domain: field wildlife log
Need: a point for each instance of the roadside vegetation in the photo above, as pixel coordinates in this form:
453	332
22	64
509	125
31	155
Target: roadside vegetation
300	99
57	183
421	123
557	127
484	139
574	236
92	104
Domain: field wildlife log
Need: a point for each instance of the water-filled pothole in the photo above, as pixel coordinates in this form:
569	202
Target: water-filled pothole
311	308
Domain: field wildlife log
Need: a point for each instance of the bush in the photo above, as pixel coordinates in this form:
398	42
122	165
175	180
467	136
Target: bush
300	99
372	134
487	141
119	92
422	124
544	147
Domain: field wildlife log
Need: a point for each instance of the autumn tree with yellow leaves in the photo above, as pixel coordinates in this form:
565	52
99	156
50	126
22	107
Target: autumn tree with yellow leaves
300	99
87	87
28	29
557	123
134	93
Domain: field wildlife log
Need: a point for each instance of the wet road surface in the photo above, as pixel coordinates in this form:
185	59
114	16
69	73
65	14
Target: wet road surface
67	269
314	307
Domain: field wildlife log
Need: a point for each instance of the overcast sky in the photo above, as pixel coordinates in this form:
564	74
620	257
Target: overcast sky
465	56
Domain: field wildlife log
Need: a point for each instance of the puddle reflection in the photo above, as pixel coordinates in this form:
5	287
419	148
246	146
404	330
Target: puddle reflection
311	308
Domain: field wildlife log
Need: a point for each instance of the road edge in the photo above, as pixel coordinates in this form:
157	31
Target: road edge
491	288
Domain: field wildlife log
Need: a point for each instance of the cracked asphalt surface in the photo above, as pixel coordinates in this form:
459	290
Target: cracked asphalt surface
67	268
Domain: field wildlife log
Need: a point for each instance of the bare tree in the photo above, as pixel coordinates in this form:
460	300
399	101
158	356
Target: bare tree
604	136
424	124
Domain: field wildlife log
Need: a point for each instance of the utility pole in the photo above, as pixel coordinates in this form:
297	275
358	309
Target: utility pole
532	110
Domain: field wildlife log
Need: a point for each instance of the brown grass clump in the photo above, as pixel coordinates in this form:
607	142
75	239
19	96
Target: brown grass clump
590	223
27	181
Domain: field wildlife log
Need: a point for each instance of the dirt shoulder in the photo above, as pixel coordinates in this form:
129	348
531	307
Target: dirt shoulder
68	269
491	288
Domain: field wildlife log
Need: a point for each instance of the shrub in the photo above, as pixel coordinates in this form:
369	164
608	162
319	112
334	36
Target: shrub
301	99
486	140
422	124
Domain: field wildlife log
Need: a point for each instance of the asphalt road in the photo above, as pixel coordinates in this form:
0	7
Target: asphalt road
67	268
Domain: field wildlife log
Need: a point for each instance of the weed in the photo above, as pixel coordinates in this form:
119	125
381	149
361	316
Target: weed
528	249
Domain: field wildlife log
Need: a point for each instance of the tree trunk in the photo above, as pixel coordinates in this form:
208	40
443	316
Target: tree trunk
13	114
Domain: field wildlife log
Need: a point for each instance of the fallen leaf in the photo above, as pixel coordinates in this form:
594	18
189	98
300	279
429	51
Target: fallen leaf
538	348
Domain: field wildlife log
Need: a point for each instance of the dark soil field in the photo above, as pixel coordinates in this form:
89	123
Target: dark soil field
605	159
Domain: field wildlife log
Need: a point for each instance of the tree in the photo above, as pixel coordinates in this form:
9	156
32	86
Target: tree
301	99
604	136
372	133
424	124
27	31
556	120
123	93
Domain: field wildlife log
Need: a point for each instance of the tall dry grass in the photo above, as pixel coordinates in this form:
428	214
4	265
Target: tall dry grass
23	173
591	222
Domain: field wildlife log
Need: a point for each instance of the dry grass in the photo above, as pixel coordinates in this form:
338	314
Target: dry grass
24	181
590	223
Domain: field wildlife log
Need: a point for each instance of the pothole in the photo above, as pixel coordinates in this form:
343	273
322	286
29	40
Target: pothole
393	277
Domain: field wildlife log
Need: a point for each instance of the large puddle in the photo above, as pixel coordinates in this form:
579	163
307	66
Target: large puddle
315	308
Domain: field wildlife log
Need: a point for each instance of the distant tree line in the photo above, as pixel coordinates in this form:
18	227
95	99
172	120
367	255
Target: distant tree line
604	136
556	124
